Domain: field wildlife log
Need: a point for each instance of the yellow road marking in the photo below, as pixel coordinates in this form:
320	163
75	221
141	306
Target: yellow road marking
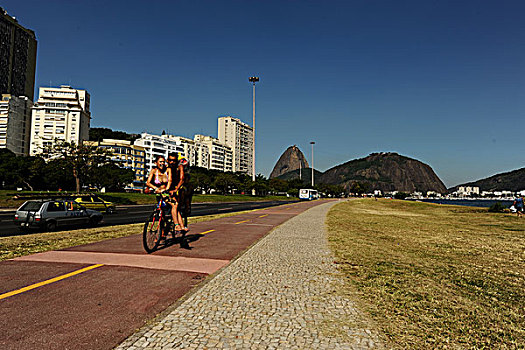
288	208
262	216
52	280
240	222
205	232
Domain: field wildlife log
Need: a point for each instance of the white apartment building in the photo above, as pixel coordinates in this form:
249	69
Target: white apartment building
15	123
468	190
158	145
220	155
239	137
59	114
197	153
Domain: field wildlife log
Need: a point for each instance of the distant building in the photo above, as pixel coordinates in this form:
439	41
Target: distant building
239	137
467	191
220	155
17	57
127	156
15	123
157	145
61	113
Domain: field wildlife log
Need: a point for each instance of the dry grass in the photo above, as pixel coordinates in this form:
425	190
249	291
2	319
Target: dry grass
434	276
14	246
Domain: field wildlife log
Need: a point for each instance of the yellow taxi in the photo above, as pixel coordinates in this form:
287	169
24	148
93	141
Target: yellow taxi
96	203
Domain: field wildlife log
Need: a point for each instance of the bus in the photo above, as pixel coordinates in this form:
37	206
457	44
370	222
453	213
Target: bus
307	194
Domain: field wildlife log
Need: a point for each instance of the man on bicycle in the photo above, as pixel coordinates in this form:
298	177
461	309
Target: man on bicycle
179	187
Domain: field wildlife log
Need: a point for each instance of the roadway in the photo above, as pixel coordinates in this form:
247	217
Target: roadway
131	214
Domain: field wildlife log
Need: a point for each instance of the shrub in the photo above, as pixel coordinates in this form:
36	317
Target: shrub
497	208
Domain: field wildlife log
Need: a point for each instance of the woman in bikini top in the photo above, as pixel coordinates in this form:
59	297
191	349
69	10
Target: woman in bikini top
159	179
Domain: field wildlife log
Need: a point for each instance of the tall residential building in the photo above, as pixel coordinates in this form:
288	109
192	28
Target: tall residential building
128	156
59	114
15	123
197	153
157	145
239	136
220	155
17	57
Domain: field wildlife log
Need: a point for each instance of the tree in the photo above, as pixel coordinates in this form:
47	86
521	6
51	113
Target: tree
81	159
225	182
111	176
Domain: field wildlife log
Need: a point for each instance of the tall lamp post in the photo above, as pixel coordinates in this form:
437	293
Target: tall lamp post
312	143
253	80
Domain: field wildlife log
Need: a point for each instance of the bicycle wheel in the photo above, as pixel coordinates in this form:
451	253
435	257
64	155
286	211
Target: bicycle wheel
152	232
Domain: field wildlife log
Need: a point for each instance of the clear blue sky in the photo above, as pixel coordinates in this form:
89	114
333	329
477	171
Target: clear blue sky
439	81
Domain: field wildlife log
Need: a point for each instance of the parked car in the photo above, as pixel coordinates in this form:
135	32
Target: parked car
96	203
50	214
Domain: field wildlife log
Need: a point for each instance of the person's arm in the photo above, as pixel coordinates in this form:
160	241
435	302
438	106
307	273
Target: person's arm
148	182
181	181
170	179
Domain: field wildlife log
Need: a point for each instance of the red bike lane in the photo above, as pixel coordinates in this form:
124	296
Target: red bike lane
94	296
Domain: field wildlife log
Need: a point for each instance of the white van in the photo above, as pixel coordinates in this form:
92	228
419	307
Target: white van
307	194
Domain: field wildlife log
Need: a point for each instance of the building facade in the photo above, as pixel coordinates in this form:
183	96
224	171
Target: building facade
61	113
17	57
239	137
15	123
127	156
220	155
196	152
157	145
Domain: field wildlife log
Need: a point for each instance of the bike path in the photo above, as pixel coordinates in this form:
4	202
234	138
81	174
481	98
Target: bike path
122	288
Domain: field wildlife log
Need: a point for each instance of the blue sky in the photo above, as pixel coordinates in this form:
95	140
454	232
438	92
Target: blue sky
439	81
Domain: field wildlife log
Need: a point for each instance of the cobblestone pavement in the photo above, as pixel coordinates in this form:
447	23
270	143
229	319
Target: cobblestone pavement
280	294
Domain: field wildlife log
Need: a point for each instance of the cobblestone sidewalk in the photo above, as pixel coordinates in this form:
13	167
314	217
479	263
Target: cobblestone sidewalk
277	295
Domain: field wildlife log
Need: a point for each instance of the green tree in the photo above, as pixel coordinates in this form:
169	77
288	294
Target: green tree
81	159
111	176
225	182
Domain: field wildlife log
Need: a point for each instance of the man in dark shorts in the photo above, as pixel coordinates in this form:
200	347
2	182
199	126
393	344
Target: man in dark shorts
179	190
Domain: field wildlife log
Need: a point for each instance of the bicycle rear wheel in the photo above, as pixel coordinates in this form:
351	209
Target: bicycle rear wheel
152	232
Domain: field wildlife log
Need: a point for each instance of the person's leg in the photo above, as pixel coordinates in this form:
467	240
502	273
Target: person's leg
175	215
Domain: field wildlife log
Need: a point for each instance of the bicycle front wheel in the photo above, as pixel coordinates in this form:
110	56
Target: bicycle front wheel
152	232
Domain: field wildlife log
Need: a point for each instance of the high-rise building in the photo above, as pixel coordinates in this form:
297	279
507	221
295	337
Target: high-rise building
157	145
195	152
61	113
239	137
220	155
17	57
15	123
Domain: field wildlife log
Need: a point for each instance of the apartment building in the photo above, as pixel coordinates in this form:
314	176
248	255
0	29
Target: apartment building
17	57
220	155
239	137
127	155
15	123
157	145
196	152
61	113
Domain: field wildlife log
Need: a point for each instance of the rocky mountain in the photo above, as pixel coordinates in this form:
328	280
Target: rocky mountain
386	172
305	174
511	181
292	159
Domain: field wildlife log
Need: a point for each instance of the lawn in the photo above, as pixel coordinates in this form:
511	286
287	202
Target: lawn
433	276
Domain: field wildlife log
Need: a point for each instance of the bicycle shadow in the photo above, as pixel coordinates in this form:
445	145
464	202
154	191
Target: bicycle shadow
182	241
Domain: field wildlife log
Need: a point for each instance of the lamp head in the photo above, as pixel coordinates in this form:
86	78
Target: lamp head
253	79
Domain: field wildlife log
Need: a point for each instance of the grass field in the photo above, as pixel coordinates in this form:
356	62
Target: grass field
123	198
434	276
19	245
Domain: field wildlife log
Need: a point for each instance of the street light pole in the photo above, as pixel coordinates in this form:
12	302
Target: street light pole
253	80
312	143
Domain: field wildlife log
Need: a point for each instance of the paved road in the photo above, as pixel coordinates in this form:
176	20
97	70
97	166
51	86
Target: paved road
96	295
138	213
